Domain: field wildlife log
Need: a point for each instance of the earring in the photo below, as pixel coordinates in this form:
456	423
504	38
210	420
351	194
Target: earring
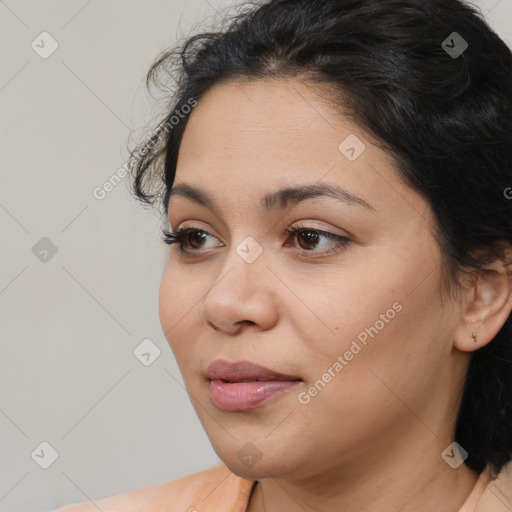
474	337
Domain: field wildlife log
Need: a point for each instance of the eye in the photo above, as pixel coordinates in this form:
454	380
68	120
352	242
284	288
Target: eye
191	239
310	238
192	236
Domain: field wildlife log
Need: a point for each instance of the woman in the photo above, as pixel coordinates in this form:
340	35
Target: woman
336	175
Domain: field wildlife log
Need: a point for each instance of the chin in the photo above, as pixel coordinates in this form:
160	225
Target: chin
250	462
258	471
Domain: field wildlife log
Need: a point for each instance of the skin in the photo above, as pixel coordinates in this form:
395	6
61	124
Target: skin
372	438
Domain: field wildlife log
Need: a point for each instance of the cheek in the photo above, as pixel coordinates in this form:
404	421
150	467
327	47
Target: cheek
167	301
378	321
396	358
178	304
374	385
340	308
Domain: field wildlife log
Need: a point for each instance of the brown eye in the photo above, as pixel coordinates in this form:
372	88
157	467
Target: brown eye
309	237
196	238
189	239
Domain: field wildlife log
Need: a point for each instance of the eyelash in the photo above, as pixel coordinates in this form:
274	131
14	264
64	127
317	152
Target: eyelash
178	236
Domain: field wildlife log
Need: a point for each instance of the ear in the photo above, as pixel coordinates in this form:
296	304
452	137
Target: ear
487	304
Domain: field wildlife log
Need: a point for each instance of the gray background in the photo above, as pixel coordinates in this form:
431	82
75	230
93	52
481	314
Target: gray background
70	324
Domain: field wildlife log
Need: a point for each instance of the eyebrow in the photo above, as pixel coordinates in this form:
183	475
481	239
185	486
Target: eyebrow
283	198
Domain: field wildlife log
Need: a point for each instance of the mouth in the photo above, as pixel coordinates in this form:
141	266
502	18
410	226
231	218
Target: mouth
253	380
243	385
244	371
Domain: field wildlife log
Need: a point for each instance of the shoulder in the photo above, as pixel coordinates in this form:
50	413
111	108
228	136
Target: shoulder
205	490
497	496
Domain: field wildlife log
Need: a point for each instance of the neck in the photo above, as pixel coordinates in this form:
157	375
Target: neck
401	479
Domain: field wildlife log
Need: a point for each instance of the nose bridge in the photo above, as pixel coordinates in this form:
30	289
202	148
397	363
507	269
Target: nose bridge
242	291
244	262
249	250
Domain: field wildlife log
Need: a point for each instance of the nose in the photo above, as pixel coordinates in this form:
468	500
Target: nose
243	296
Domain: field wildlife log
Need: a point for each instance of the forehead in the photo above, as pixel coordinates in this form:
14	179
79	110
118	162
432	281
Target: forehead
254	138
284	112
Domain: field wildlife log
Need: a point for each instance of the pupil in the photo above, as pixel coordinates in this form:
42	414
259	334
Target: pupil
310	236
197	237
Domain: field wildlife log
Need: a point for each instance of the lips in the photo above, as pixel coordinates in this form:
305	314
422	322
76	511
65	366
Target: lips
242	385
244	371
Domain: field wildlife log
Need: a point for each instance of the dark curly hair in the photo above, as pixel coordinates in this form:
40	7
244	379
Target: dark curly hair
432	82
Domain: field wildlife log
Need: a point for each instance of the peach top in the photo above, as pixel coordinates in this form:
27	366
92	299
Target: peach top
217	489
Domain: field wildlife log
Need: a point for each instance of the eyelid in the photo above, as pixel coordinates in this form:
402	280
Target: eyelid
304	224
186	226
338	242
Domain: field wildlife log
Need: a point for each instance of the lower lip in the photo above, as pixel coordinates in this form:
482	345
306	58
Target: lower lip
240	396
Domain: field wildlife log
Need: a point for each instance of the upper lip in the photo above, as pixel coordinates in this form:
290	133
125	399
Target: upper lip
243	370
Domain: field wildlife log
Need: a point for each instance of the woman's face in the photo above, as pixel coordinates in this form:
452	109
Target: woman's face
362	324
